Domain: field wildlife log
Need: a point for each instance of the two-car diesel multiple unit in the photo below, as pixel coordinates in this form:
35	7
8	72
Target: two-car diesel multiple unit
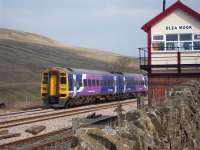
65	87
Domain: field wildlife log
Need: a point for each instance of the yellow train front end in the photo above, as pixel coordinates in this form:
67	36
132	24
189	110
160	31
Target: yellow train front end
54	87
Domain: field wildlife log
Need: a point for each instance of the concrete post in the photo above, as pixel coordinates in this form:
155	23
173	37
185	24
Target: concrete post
75	125
140	102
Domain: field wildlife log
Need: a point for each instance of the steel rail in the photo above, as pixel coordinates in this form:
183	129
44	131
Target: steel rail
22	113
59	114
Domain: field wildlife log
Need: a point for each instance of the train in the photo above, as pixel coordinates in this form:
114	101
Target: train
68	87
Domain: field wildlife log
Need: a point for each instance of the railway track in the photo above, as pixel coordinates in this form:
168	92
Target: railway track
24	113
58	124
31	118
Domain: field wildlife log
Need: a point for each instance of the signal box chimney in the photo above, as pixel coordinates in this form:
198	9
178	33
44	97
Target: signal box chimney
164	5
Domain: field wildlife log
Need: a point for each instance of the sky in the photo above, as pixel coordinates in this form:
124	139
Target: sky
109	25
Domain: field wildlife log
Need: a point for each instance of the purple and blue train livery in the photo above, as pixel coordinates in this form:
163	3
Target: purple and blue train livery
64	87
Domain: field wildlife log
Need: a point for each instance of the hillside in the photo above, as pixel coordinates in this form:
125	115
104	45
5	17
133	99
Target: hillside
23	55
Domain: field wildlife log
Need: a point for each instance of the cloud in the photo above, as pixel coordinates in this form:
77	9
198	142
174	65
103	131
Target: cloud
111	10
102	24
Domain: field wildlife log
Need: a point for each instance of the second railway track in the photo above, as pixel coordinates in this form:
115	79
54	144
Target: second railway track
57	114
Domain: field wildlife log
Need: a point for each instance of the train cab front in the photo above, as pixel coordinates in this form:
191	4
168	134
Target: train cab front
54	88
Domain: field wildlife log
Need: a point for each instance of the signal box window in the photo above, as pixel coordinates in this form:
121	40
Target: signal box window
158	43
196	45
172	37
186	41
186	45
197	37
170	46
158	46
171	42
185	37
158	37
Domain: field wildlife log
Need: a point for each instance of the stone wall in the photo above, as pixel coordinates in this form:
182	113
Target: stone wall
173	125
161	87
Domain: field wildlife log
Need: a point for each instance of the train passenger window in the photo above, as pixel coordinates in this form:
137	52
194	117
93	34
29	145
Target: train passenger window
100	82
108	83
85	83
111	83
93	82
63	80
89	82
45	80
104	82
77	85
97	81
80	83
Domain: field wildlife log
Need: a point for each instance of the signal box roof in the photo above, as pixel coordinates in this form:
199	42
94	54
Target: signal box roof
177	5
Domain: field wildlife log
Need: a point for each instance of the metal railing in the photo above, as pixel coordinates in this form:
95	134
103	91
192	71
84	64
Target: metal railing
178	57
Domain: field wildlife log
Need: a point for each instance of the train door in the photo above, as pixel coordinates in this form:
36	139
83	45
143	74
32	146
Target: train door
53	86
74	85
79	82
63	86
115	84
124	84
120	84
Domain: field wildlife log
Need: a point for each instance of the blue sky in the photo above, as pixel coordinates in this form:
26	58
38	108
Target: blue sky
110	25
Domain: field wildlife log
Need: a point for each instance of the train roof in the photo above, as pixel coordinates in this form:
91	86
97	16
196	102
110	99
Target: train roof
133	74
89	71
